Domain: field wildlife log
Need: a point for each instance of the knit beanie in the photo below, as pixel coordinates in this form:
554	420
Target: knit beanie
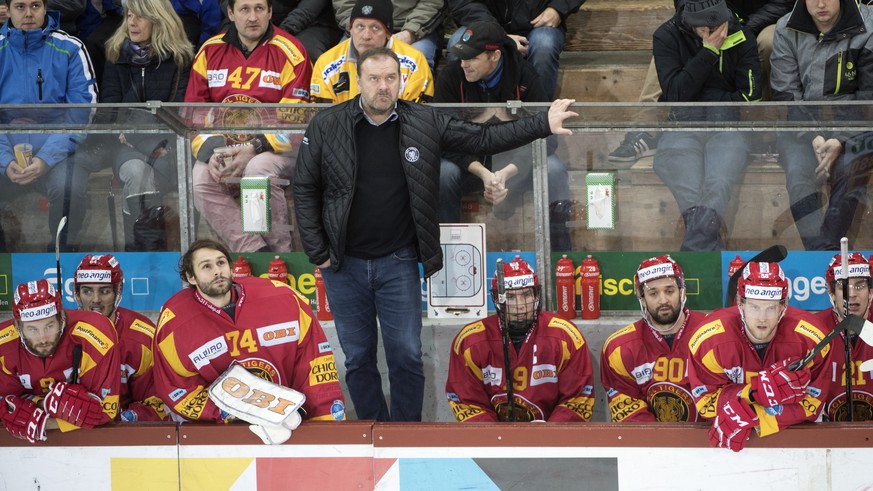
380	10
705	13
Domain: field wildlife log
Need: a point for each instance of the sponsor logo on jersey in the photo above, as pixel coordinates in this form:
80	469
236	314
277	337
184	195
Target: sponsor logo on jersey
811	332
24	378
453	397
774	410
814	391
322	370
543	374
177	394
407	63
8	334
735	375
656	271
192	406
582	406
569	328
338	410
705	332
216	78
464	412
332	68
643	373
37	313
93	276
262	369
324	347
611	392
270	80
301	93
468	330
315	88
214	348
147	329
93	335
622	406
166	316
764	292
698	391
105	392
855	271
492	376
587	390
284	332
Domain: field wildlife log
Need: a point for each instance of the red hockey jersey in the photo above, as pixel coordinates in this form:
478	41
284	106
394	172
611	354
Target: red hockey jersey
645	379
723	360
551	373
274	335
862	382
135	336
24	374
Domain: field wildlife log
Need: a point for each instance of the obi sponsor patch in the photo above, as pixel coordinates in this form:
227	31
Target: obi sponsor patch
643	373
93	276
322	370
270	80
216	78
543	374
94	336
208	351
177	394
338	410
492	376
703	333
284	332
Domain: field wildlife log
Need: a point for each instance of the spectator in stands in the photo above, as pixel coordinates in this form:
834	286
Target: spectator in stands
265	64
4	13
740	362
704	55
549	368
57	363
489	68
334	77
860	298
202	19
265	326
414	22
100	19
147	59
375	156
313	23
43	65
97	287
70	11
538	29
821	51
758	16
659	341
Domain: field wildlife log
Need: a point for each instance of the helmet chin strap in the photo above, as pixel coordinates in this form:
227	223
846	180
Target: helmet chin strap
648	317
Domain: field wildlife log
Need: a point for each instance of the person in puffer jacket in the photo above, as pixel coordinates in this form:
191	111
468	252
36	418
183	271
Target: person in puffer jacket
40	64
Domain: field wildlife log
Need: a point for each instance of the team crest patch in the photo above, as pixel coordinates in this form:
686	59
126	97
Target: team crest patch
467	35
367	9
411	154
671	403
262	369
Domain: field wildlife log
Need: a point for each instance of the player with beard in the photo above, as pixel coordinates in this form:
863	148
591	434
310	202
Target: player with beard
265	326
551	367
738	366
643	365
98	287
41	349
860	282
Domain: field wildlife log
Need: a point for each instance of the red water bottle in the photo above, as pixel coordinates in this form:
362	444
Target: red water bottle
565	288
590	289
241	268
735	265
278	270
322	308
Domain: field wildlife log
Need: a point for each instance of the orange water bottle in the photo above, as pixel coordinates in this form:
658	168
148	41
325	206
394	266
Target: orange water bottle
322	308
590	292
278	270
565	288
241	268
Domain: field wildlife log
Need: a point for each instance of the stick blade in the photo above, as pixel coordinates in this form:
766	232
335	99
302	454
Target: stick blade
867	366
866	333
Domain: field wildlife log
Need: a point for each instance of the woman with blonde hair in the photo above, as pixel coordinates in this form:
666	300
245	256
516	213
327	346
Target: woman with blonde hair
147	59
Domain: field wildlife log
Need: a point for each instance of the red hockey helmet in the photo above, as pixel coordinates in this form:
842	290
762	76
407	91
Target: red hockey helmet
516	274
858	267
99	269
658	267
35	300
763	281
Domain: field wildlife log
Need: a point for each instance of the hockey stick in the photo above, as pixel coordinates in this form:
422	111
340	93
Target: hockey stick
61	226
850	323
844	261
77	361
504	331
772	254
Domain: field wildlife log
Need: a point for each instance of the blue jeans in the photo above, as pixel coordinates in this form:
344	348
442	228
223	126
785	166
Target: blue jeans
544	51
387	288
428	46
798	159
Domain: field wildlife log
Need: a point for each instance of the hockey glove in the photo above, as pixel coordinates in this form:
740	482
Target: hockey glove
779	385
73	404
732	425
24	419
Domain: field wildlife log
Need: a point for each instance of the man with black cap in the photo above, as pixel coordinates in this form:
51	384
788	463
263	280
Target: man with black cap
489	68
334	76
703	54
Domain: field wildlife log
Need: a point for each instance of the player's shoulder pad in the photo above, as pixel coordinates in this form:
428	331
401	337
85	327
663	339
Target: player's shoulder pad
466	332
291	50
569	328
8	333
282	284
624	331
166	316
707	330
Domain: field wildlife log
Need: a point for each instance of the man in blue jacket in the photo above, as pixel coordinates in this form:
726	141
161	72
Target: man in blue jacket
40	64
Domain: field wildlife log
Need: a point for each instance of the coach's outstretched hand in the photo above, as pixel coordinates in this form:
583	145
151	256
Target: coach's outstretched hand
558	113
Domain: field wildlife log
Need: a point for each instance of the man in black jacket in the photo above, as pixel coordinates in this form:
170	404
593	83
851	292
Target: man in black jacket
704	55
489	68
367	217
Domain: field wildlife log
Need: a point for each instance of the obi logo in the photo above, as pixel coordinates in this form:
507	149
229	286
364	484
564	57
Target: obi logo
543	374
286	332
216	78
270	80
